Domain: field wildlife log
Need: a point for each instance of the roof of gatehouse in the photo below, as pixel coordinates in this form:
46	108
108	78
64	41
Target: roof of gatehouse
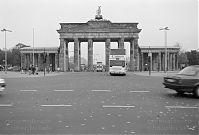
39	49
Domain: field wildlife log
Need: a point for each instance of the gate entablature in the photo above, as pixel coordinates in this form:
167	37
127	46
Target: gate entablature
98	29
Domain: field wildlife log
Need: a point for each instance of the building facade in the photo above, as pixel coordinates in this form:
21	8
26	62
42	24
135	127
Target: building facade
40	53
97	30
156	61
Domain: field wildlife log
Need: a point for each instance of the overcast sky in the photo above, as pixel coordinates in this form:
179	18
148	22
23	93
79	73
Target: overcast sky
21	16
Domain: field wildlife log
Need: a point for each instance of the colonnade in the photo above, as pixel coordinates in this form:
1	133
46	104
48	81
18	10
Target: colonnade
157	59
51	62
64	55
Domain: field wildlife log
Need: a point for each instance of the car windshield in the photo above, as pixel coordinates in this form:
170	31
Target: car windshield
191	71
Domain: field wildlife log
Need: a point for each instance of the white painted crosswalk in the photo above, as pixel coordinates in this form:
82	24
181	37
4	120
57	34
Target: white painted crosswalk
118	106
56	105
101	90
63	90
6	105
28	90
182	107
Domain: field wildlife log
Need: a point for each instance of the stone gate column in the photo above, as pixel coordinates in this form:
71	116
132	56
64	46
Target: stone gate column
170	61
26	60
90	54
142	57
76	54
132	60
151	60
31	62
107	46
62	54
160	62
80	56
121	43
34	57
47	61
56	61
168	64
66	57
138	61
174	63
22	60
164	62
40	62
136	54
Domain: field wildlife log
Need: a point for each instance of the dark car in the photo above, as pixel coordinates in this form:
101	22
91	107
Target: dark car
2	84
1	68
187	80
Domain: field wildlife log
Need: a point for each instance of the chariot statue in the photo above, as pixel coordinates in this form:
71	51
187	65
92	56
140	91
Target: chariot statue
98	16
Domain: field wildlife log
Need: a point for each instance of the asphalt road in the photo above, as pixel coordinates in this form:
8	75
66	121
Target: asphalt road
95	103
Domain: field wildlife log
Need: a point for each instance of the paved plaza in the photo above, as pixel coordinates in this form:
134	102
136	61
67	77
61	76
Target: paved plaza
94	103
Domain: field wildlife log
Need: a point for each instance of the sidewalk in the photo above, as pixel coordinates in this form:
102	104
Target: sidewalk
156	73
12	74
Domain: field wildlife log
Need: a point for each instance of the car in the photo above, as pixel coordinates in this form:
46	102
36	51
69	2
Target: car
1	68
2	84
99	68
187	80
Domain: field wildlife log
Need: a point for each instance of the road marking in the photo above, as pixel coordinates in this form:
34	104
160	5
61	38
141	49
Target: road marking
183	107
28	90
118	106
5	105
64	90
101	90
62	105
140	91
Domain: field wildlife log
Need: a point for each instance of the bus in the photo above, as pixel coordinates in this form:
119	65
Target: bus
117	60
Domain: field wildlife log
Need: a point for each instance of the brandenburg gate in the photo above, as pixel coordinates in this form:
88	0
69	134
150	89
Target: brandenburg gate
97	30
100	30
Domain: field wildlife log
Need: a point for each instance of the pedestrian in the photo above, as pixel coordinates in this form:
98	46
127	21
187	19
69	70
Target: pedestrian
30	70
22	70
36	70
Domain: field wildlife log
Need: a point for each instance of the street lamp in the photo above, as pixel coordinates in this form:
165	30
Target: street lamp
165	33
5	30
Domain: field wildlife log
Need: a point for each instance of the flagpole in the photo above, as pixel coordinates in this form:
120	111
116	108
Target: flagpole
33	59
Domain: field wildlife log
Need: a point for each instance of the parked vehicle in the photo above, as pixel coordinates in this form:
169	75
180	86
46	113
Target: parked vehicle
99	67
2	84
1	68
187	80
117	61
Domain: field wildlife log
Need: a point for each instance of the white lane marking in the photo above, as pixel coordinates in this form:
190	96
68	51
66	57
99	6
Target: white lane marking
64	90
183	107
140	91
28	90
101	90
61	105
5	105
118	106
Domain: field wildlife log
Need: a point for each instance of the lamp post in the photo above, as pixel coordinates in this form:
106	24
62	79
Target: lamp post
33	50
165	34
5	30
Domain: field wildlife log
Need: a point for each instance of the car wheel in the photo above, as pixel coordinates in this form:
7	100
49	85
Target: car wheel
196	92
